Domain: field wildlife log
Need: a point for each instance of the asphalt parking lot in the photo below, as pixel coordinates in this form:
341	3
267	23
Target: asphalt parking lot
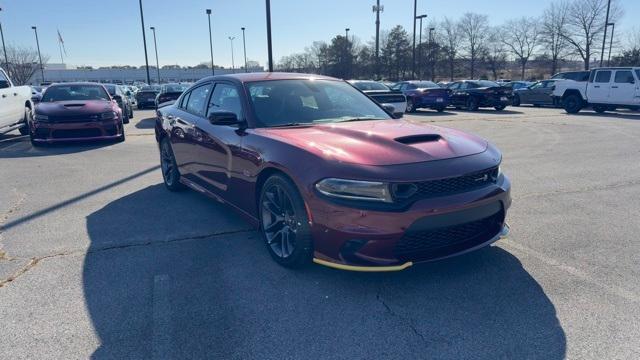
98	260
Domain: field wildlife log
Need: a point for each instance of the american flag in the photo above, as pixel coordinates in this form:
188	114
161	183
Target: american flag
61	41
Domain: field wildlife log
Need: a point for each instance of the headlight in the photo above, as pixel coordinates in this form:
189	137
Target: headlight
355	190
108	115
39	117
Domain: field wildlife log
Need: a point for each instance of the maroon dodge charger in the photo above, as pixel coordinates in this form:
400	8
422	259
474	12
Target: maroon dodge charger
330	176
76	111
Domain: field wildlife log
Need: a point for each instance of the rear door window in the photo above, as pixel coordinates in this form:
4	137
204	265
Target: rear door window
603	76
197	100
624	77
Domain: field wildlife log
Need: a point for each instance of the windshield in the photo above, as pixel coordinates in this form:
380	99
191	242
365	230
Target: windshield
150	88
369	85
485	83
74	92
426	84
287	102
174	88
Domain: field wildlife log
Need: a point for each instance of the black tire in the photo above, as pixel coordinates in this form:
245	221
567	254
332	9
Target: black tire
516	100
472	104
411	106
440	109
169	167
599	108
284	224
131	112
572	104
140	107
122	137
536	105
125	117
499	107
27	120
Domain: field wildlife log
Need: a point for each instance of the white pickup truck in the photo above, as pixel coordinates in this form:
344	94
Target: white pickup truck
15	105
607	89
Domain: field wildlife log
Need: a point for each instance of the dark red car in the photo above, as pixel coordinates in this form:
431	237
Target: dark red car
76	112
328	175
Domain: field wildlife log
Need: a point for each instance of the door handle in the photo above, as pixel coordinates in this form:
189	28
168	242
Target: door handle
614	87
597	87
15	94
4	95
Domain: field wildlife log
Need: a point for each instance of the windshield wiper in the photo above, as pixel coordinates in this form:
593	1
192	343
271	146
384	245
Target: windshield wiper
359	119
290	124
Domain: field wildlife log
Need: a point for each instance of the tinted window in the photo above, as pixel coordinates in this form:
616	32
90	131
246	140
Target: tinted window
426	84
411	86
225	98
197	100
454	86
369	85
484	83
583	76
603	76
150	88
279	102
74	92
2	77
624	77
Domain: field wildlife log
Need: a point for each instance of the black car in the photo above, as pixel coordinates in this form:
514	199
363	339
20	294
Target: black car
146	96
474	94
572	75
536	94
120	96
382	94
170	92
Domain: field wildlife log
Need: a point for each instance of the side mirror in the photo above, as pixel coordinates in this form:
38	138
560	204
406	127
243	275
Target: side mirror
223	118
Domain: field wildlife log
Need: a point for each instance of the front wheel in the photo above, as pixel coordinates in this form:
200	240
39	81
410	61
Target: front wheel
516	100
599	108
411	106
472	104
440	109
284	223
572	104
169	167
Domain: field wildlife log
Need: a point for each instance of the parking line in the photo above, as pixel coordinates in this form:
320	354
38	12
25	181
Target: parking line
161	344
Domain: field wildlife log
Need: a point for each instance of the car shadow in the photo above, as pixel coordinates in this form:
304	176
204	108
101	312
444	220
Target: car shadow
630	115
156	284
490	111
148	123
430	113
19	146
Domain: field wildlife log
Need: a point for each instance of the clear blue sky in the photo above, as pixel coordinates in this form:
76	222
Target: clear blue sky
108	32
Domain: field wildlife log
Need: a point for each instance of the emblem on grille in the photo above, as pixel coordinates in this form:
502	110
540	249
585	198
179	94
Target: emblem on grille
484	177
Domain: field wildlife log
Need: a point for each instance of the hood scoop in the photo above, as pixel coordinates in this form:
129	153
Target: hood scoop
418	139
73	105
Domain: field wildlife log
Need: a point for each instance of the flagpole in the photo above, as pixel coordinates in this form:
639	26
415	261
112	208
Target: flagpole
60	48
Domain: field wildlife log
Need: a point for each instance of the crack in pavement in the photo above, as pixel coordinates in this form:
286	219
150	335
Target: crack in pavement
3	219
37	259
408	322
629	183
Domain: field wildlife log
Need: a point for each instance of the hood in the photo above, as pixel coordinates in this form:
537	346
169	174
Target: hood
379	142
62	108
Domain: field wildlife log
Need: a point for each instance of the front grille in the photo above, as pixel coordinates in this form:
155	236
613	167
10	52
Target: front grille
74	118
76	133
440	242
450	186
385	99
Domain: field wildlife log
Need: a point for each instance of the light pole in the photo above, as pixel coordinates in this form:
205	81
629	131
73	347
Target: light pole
604	38
39	56
413	58
244	47
233	66
155	43
210	41
431	60
346	33
144	42
378	9
268	4
420	17
613	28
6	59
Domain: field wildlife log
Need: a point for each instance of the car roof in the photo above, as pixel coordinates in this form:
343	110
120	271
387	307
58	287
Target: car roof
75	83
265	76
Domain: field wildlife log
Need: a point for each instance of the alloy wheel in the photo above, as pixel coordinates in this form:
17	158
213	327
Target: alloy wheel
279	221
167	164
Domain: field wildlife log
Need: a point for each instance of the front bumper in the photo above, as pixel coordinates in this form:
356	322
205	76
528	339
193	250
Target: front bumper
76	131
429	230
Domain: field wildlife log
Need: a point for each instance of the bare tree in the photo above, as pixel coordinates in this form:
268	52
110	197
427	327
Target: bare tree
553	31
474	29
450	38
23	63
585	26
521	38
495	53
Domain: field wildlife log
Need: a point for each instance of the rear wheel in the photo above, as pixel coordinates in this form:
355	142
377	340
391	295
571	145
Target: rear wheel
284	223
411	106
169	167
572	104
516	100
472	104
440	109
27	120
